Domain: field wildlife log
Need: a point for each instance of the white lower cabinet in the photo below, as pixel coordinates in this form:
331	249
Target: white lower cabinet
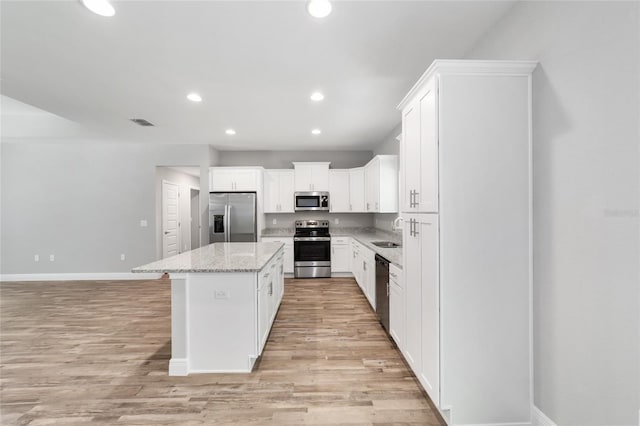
363	268
270	291
288	251
396	306
340	254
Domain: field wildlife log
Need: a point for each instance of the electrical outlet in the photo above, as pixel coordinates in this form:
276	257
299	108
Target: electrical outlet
336	221
143	223
122	256
275	221
52	258
221	294
36	258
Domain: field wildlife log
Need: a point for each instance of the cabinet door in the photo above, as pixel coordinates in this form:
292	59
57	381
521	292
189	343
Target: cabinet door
372	185
246	180
429	371
339	191
356	190
396	312
303	177
410	157
340	257
264	308
370	279
286	191
320	177
221	180
396	305
413	294
271	197
428	195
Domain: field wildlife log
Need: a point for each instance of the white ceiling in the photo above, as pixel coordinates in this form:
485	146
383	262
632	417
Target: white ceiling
255	63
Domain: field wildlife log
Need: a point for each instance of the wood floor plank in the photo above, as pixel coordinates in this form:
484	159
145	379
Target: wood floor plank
98	353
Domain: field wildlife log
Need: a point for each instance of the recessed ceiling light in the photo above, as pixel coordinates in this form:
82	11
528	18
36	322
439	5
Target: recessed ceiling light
316	131
317	96
230	132
319	8
194	97
99	7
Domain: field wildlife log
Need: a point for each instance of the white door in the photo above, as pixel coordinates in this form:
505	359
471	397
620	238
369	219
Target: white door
430	370
412	269
303	178
429	151
356	190
245	180
410	157
271	191
320	177
372	185
286	191
170	219
339	191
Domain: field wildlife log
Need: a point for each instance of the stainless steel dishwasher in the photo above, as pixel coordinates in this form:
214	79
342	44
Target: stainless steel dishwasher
382	291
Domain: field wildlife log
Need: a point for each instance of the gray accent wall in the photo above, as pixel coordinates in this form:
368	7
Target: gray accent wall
84	203
283	159
586	191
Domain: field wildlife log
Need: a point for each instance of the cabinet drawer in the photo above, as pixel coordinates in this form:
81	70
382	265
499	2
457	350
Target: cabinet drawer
340	240
395	275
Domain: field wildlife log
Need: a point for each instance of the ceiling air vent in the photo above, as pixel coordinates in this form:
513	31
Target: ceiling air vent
142	122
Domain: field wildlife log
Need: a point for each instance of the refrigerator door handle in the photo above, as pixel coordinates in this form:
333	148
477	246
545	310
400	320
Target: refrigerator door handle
226	223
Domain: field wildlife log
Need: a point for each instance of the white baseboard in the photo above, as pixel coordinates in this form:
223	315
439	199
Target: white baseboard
178	367
541	419
81	276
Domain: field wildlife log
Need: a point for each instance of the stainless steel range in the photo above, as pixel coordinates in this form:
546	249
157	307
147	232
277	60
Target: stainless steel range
312	249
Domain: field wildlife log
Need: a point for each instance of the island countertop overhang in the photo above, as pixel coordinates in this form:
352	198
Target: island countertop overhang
217	257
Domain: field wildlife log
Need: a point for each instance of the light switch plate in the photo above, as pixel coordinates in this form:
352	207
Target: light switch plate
143	223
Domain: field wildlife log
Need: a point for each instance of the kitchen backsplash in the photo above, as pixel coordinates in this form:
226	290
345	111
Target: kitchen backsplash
384	221
345	220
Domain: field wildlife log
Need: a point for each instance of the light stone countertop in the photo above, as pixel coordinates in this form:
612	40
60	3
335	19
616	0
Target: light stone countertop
217	257
365	236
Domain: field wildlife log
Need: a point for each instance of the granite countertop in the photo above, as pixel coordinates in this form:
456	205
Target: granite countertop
365	236
217	257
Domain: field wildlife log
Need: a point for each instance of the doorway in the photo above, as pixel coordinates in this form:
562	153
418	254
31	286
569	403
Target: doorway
195	217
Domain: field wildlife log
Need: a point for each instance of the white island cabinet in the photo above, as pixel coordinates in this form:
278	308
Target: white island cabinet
224	299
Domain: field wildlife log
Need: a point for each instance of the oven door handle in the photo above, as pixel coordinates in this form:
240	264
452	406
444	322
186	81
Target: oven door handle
311	238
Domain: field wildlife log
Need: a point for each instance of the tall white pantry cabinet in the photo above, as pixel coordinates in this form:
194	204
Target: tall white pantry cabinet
466	204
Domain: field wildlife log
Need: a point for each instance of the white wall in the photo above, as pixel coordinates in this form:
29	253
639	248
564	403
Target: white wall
83	203
586	187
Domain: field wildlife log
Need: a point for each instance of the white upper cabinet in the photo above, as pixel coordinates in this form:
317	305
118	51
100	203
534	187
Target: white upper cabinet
311	176
419	151
278	191
235	178
339	199
381	184
356	190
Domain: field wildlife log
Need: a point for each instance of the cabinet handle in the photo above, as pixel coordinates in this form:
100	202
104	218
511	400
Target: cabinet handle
350	207
377	208
364	265
416	232
367	206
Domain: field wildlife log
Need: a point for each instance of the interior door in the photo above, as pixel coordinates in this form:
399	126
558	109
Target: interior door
170	219
242	217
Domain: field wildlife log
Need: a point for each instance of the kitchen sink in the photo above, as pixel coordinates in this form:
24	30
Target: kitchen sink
386	244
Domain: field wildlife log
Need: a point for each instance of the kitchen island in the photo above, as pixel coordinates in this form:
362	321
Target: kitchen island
224	298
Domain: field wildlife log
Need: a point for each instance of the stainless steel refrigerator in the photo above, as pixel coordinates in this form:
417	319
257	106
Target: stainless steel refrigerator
232	217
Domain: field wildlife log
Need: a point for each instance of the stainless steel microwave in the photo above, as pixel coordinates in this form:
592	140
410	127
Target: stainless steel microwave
306	201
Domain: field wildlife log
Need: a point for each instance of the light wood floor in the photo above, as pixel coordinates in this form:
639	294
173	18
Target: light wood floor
98	352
